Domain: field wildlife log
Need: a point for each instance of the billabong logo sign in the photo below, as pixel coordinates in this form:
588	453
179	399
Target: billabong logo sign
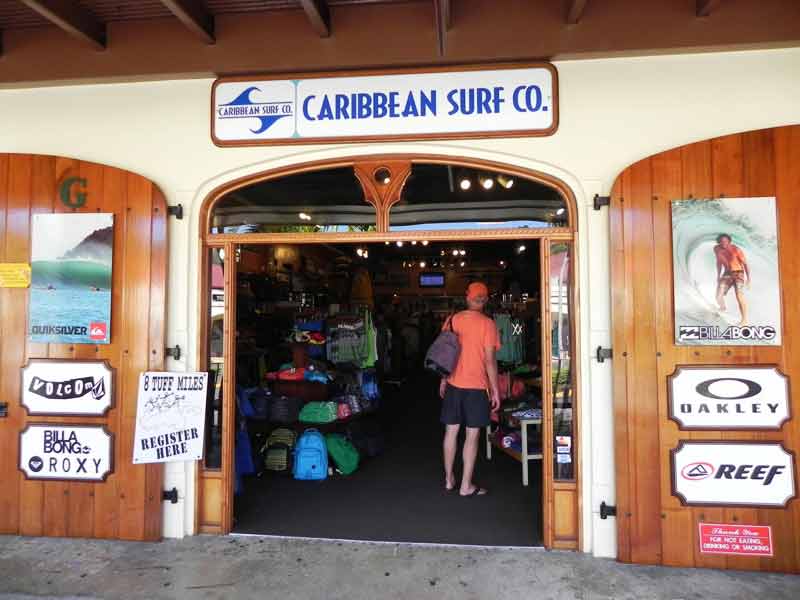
67	452
732	474
244	107
55	387
729	397
713	333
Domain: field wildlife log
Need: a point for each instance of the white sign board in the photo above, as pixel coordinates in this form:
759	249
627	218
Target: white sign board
170	417
66	452
413	104
67	387
733	474
730	397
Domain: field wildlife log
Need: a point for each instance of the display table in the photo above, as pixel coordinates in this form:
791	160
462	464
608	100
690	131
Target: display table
524	456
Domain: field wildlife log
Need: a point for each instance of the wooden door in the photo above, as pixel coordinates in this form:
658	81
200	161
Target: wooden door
653	526
127	505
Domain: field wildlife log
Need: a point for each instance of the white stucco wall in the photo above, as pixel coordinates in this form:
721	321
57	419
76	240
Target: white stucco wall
613	112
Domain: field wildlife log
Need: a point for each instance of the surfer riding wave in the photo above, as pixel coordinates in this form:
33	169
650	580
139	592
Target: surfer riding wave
732	272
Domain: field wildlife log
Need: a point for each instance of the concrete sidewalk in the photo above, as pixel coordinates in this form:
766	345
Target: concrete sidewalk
266	568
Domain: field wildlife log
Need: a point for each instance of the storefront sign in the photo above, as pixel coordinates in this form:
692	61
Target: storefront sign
725	271
170	417
501	101
65	387
15	275
66	452
729	397
717	473
741	540
71	278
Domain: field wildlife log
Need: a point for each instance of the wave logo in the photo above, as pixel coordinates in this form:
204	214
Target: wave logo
98	331
245	107
697	471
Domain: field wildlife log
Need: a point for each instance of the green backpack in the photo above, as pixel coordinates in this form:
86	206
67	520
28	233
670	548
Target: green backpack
318	412
343	453
277	451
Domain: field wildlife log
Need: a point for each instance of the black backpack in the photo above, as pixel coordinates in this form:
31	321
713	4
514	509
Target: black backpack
442	356
284	409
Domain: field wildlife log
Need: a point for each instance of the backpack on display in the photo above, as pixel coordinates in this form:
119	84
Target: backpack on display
318	412
442	356
344	454
284	410
311	456
278	450
343	411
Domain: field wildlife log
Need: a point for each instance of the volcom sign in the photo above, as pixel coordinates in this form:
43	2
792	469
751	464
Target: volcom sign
66	452
729	397
58	387
720	473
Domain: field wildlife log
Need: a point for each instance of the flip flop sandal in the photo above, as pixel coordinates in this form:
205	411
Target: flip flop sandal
478	491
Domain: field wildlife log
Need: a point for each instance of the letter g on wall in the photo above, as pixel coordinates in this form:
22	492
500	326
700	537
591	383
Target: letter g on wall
69	199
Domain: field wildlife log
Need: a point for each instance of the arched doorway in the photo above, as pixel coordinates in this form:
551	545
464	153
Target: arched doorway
399	201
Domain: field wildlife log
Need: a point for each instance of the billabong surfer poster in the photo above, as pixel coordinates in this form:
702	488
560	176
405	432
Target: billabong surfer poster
71	260
725	272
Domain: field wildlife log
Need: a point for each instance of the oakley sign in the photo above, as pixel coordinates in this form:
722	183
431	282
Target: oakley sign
729	397
711	473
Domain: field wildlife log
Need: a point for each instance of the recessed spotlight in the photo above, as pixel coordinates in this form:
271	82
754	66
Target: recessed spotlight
487	183
413	242
521	248
304	216
506	181
441	253
561	211
424	242
360	251
502	263
399	244
465	184
387	243
423	264
455	252
462	252
462	263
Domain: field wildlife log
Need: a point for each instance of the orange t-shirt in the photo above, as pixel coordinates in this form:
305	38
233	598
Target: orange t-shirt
476	332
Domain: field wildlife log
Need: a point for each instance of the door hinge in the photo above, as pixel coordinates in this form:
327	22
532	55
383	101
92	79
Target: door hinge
601	201
176	211
607	510
603	353
171	495
173	352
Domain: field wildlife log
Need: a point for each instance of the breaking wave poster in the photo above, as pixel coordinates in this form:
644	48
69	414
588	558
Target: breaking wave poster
726	272
70	293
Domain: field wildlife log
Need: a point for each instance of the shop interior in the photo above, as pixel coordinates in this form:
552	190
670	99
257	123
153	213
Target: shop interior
332	337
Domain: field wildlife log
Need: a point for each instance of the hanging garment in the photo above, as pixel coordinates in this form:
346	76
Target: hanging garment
361	290
512	338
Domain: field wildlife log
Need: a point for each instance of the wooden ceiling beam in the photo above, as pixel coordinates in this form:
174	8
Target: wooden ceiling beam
444	20
194	17
575	12
706	7
319	14
72	18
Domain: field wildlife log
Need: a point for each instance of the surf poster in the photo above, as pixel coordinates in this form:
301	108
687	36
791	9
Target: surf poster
726	277
70	293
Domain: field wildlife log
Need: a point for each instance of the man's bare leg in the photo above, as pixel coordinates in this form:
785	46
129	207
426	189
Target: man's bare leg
470	453
450	446
742	305
721	291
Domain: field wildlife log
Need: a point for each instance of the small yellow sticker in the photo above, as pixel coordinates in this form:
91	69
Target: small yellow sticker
15	275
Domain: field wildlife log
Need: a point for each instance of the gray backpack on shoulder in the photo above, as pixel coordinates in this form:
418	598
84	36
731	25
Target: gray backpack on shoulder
442	356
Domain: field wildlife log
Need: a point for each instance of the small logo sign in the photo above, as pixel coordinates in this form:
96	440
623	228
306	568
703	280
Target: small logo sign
697	471
98	331
36	463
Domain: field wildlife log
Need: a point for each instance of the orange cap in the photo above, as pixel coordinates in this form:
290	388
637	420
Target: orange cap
475	289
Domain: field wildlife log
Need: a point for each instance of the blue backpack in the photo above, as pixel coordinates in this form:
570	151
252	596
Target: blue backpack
311	456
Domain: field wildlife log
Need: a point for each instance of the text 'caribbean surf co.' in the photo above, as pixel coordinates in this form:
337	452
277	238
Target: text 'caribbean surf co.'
409	104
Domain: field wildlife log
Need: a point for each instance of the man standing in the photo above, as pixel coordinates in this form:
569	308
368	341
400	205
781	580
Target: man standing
732	272
470	388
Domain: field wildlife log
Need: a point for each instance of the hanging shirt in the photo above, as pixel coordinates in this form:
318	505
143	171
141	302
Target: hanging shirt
476	332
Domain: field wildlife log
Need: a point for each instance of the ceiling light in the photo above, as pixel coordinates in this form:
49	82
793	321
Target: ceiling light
304	216
487	183
441	253
502	263
422	264
462	263
462	252
399	244
413	242
366	254
561	211
387	243
424	242
360	252
465	184
521	248
506	181
221	253
455	252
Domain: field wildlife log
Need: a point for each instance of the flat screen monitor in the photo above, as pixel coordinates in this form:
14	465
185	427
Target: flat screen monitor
430	279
